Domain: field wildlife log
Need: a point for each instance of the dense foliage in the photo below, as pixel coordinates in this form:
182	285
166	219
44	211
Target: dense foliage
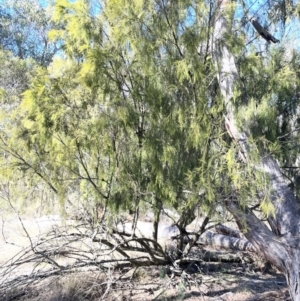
128	115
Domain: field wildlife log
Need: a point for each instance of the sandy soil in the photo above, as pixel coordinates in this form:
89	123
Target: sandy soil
218	283
202	281
15	233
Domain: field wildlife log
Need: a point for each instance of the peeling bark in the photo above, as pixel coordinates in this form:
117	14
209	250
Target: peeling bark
281	247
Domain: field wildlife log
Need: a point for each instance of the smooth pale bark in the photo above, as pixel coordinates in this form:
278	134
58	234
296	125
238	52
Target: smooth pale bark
282	246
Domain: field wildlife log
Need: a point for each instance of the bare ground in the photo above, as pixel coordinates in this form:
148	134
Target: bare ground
214	282
198	281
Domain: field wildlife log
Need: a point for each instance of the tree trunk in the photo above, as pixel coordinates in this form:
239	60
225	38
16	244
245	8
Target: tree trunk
156	210
282	246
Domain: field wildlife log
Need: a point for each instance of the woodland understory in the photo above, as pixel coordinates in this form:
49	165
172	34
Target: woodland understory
75	261
162	133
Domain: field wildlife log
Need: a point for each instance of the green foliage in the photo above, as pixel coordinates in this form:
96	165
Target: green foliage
126	118
20	183
272	86
24	27
129	115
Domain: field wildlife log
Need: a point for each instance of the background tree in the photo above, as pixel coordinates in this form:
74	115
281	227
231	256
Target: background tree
24	30
136	114
24	45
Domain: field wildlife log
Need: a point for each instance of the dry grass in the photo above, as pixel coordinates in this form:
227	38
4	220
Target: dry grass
212	282
76	287
147	284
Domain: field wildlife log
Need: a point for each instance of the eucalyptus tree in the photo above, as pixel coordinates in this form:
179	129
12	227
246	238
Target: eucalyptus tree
279	243
156	104
24	27
24	44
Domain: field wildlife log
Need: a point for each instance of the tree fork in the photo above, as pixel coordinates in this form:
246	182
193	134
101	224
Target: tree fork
284	250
